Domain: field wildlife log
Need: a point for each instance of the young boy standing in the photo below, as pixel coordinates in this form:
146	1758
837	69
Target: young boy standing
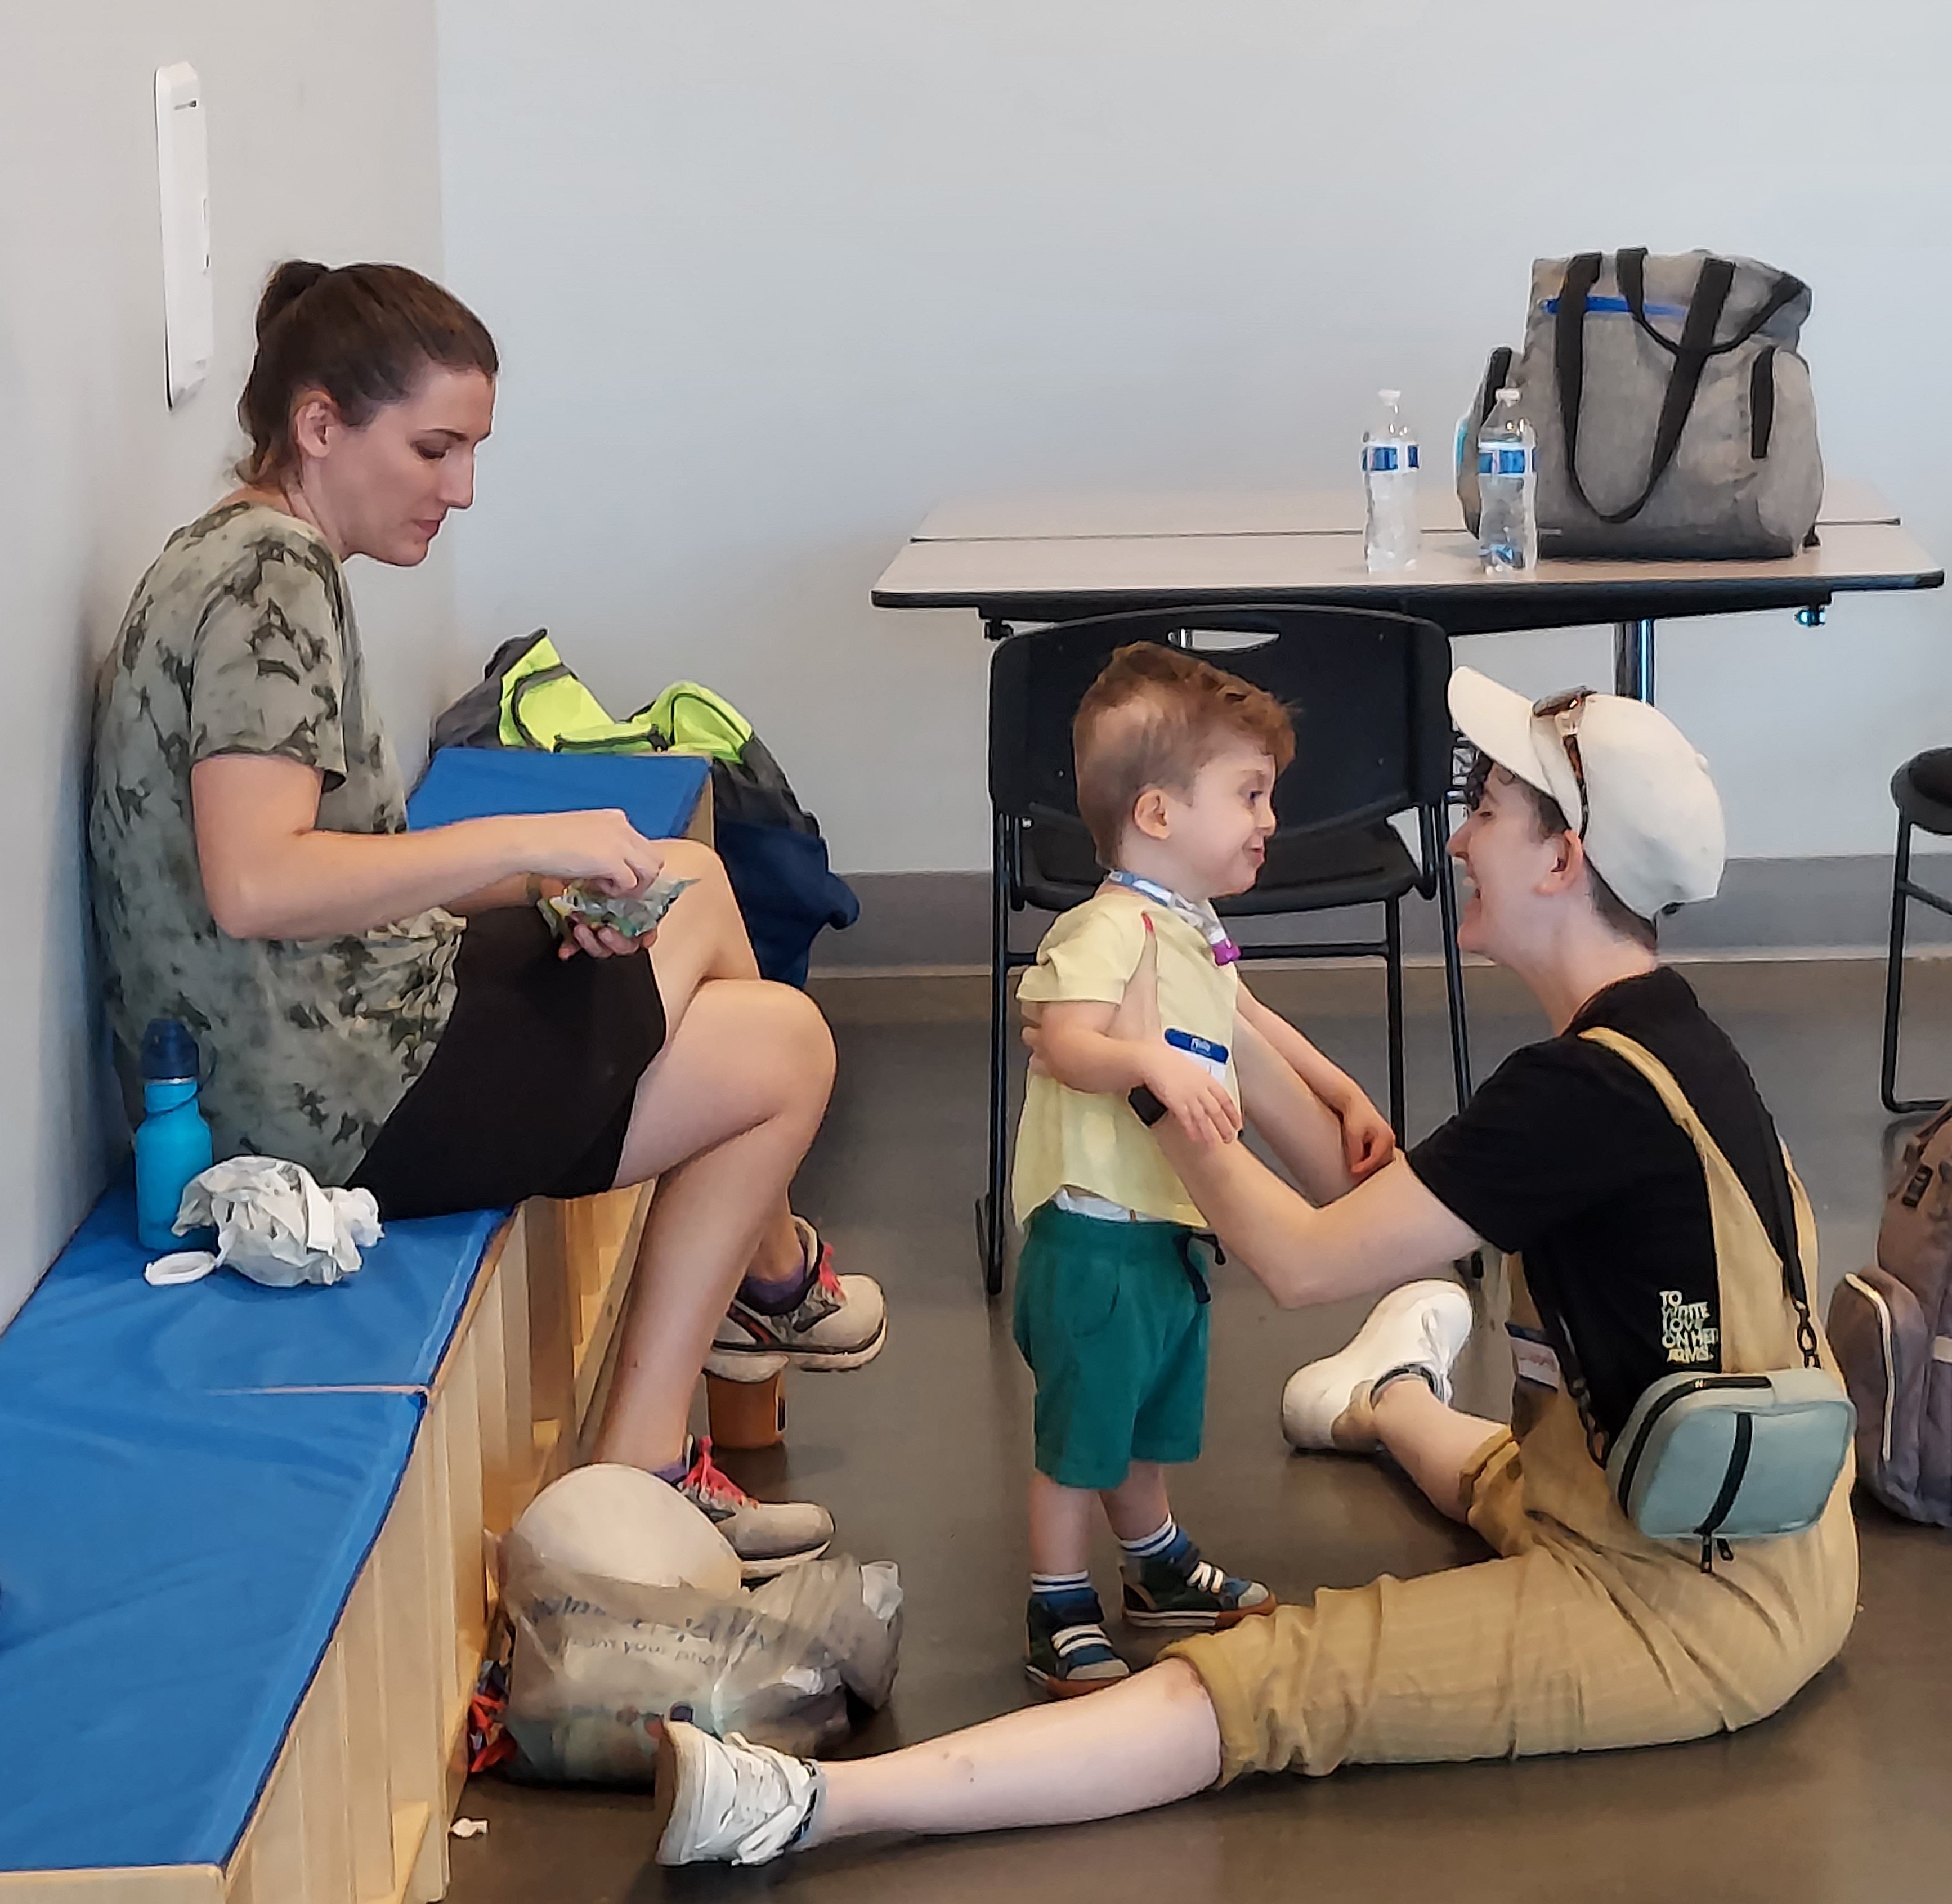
1176	764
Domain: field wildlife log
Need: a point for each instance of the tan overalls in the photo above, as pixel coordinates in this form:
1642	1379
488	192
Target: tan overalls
1584	1634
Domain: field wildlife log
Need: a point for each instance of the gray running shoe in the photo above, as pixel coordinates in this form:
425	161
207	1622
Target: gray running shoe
841	1322
768	1537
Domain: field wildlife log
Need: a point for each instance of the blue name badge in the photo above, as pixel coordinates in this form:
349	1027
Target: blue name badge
1202	1051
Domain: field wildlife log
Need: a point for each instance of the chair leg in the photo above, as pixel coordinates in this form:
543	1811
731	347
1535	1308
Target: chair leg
1393	984
1894	980
1453	966
990	1219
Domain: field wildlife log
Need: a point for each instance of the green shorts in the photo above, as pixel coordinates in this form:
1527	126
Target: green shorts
1107	1319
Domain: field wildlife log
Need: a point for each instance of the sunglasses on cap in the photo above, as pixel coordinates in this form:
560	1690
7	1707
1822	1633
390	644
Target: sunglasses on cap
1564	711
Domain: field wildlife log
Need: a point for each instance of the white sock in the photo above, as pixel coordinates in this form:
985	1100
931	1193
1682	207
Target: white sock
1052	1586
1149	1546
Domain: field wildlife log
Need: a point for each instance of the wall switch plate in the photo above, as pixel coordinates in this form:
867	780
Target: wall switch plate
182	171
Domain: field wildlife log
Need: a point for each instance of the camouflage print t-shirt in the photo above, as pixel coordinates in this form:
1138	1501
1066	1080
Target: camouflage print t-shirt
241	640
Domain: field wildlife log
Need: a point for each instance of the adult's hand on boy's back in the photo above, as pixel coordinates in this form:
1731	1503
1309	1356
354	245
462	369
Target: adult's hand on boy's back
1137	1017
1201	1106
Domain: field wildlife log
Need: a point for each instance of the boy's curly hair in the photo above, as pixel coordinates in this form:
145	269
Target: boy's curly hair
1154	717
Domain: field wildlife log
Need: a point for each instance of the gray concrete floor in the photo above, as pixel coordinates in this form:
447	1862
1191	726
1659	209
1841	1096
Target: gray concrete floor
922	1457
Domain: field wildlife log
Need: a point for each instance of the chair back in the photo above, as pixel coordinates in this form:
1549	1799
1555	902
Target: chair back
1365	690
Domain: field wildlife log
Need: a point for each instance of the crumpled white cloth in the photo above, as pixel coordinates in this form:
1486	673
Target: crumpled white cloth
274	1224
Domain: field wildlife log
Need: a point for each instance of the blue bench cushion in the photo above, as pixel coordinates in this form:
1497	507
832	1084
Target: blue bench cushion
170	1574
659	793
93	1322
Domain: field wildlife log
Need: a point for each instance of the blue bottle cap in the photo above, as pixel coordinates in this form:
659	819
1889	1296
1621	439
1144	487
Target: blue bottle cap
169	1050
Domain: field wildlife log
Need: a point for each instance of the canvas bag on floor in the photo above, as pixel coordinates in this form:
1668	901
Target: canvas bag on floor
1674	415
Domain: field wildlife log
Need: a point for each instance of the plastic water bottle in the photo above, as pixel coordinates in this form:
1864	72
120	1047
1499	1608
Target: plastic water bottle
1507	486
1393	534
172	1141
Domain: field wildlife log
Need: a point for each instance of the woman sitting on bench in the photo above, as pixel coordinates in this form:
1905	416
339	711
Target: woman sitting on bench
389	1008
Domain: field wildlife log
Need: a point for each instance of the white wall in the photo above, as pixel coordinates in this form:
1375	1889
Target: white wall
322	143
771	280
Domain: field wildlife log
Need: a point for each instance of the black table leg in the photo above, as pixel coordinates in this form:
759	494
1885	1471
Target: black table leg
1633	659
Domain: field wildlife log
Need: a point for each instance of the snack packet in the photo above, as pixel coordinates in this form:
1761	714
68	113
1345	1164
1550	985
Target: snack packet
632	914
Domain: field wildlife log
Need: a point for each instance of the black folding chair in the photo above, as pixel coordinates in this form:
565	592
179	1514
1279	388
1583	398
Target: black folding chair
1373	738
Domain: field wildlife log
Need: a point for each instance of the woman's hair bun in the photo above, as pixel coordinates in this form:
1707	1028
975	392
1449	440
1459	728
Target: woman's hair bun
360	334
285	285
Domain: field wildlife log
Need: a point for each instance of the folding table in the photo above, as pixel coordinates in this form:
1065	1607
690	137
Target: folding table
1040	558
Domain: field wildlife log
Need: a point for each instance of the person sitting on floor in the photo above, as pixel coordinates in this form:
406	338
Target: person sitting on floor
388	1008
1631	1160
1175	768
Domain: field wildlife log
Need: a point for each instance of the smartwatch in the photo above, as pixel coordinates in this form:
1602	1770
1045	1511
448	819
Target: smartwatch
1145	1105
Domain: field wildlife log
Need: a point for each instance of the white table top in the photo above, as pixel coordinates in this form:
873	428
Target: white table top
1850	556
1030	516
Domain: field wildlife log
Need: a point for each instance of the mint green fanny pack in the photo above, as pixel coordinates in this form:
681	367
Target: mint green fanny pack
1724	1457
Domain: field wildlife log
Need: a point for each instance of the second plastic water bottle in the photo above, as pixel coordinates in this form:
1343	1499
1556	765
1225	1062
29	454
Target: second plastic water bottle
1507	482
172	1143
1394	532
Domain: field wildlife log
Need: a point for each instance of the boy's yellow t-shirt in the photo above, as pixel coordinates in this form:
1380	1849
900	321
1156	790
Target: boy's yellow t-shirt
1097	1144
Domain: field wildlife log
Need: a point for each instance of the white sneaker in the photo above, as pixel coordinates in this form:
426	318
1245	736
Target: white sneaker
722	1801
1422	1324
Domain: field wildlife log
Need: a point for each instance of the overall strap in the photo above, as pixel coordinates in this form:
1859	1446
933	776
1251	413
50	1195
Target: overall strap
1783	1234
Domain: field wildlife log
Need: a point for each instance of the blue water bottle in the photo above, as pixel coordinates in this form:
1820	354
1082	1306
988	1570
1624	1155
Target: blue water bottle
172	1141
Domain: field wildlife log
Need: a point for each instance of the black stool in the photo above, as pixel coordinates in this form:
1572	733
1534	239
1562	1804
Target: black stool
1923	790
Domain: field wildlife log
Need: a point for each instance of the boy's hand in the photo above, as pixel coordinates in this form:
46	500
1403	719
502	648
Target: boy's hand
1202	1106
1367	1142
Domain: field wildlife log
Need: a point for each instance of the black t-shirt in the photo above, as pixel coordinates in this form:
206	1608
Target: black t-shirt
1567	1155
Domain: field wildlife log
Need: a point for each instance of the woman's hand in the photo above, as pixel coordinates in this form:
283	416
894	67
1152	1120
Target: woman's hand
600	848
604	942
1200	1104
602	851
1137	1017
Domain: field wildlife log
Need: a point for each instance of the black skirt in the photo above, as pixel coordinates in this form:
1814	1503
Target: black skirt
529	1092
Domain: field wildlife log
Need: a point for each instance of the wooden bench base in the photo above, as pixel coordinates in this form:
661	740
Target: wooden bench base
357	1808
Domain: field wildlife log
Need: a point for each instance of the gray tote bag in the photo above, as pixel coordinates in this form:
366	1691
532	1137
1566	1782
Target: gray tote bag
1673	413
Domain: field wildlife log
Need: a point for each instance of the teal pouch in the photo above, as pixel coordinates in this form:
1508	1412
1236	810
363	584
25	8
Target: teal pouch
1721	1458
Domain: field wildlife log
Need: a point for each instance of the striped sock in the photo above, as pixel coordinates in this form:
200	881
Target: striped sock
1162	1543
1059	1587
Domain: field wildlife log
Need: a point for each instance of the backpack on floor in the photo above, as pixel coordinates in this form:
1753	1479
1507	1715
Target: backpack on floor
770	844
1890	1325
1673	414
